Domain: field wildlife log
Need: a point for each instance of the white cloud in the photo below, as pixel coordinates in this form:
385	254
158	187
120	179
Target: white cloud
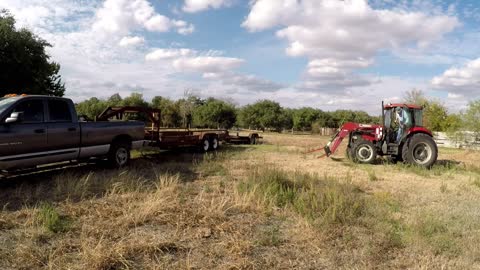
122	16
339	37
162	54
242	82
131	41
460	80
193	6
207	64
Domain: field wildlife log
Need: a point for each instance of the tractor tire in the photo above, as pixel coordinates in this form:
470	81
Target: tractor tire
214	143
119	154
420	150
364	152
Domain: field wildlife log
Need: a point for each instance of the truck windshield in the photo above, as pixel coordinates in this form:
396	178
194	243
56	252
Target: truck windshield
5	103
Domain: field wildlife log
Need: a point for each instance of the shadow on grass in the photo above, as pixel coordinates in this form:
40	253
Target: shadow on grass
96	179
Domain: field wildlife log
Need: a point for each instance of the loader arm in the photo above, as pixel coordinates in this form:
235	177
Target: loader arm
337	139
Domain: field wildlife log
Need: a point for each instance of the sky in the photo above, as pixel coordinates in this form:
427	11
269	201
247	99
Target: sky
326	54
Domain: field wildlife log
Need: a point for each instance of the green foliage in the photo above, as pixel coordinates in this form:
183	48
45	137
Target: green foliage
51	220
320	200
135	99
304	118
91	107
472	117
214	113
24	64
435	116
265	114
170	113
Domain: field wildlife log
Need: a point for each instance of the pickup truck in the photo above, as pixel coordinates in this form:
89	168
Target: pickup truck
39	130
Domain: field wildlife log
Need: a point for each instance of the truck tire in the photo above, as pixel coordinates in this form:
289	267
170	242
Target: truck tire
119	154
205	145
420	150
214	143
364	152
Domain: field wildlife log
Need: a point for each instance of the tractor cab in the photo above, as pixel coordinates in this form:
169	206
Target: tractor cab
411	117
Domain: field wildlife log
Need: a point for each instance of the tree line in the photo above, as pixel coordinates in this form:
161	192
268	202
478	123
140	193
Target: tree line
193	111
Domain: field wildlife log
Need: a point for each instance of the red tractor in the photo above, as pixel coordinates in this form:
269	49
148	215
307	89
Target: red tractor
401	137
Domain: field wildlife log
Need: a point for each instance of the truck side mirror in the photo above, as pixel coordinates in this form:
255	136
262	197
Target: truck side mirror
14	118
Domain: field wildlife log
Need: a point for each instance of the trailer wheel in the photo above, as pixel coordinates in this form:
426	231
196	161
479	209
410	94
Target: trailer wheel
119	154
253	139
214	143
364	152
206	145
421	150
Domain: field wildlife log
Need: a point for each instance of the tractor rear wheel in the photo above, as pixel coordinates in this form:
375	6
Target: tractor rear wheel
364	152
420	150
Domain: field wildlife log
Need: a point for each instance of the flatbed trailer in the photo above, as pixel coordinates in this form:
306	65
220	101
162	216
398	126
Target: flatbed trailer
166	138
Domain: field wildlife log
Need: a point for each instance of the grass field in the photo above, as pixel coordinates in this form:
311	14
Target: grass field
266	206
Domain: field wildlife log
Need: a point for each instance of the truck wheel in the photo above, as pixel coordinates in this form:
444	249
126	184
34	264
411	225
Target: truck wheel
206	145
421	150
214	143
119	154
364	152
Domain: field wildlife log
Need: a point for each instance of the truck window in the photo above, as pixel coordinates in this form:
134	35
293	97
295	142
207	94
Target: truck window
59	111
32	111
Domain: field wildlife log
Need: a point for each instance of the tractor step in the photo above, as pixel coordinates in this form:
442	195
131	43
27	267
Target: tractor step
392	149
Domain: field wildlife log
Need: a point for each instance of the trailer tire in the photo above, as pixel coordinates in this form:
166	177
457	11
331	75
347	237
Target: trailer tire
253	139
420	150
119	154
205	145
214	143
364	152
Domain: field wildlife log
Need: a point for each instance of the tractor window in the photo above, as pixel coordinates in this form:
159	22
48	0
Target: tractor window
418	118
388	118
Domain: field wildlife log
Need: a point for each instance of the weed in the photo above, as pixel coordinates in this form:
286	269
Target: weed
320	200
270	236
476	182
50	219
443	188
372	176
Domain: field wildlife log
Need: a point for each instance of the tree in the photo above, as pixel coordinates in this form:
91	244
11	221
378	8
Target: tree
472	116
135	99
304	118
415	96
214	113
170	113
24	64
264	114
91	107
435	116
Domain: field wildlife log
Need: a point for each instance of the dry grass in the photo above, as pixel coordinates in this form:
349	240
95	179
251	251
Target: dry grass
247	207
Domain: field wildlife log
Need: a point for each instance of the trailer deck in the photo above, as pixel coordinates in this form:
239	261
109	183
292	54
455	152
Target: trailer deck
167	138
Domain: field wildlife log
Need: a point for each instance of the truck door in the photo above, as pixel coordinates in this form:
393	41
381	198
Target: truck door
63	132
26	138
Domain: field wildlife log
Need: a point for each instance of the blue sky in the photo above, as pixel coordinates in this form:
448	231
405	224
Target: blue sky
327	54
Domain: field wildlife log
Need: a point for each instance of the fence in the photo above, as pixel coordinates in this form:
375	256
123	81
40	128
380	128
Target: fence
463	139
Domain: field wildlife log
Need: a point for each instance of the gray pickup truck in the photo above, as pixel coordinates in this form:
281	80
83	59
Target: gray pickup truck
38	130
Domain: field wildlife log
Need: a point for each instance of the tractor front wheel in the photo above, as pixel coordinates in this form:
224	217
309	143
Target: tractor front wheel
364	152
420	150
